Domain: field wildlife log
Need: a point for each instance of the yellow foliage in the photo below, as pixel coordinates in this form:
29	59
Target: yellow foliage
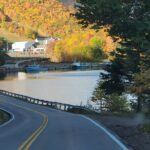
47	17
80	46
52	18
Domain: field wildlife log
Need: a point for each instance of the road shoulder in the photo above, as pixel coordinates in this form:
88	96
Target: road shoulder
127	128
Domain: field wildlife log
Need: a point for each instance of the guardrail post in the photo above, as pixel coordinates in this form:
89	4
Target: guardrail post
64	108
60	106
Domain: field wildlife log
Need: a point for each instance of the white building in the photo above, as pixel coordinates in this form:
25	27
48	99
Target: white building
22	46
39	45
45	41
42	43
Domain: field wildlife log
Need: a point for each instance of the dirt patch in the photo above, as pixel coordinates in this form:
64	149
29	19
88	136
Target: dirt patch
129	129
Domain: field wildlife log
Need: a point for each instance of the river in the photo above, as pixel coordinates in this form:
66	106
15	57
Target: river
71	87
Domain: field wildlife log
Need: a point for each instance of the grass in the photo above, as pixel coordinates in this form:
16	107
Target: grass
81	111
4	117
12	37
86	111
145	128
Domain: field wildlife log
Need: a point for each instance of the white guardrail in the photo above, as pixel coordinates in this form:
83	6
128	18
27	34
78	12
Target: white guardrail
55	105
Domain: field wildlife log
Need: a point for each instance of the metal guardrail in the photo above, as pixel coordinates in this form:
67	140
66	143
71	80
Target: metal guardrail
55	105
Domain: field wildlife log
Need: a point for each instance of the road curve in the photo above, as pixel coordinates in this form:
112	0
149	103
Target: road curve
36	127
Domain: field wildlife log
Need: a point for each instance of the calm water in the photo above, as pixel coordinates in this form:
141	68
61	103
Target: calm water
74	87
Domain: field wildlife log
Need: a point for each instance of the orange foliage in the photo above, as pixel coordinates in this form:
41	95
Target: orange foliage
52	18
45	17
80	46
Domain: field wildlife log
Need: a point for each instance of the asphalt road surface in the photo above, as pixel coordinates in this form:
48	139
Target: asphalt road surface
37	127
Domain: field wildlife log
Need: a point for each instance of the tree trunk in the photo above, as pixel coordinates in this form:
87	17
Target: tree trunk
139	104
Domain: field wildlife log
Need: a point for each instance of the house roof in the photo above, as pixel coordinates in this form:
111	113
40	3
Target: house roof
24	42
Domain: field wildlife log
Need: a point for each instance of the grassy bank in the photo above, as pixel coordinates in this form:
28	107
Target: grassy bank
4	117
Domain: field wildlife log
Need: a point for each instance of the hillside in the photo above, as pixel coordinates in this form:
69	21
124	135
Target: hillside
12	37
26	19
32	17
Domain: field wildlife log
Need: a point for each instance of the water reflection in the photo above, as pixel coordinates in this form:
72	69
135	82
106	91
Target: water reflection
71	87
22	76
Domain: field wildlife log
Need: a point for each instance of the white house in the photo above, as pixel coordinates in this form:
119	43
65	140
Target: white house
45	41
42	43
22	46
39	45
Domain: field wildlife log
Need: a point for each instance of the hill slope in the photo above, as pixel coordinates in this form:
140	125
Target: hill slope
32	17
12	37
26	19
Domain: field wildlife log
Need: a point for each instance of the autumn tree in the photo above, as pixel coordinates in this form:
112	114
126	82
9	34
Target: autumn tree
86	45
48	17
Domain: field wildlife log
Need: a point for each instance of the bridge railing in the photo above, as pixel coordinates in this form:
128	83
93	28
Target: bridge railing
51	104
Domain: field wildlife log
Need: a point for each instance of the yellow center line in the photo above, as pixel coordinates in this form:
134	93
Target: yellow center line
26	145
28	142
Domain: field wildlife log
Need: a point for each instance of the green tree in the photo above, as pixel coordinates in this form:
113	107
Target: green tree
3	43
31	34
2	58
142	85
110	103
130	22
96	42
96	48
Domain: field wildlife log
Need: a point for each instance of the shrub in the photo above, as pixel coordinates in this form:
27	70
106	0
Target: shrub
31	34
110	103
115	103
145	127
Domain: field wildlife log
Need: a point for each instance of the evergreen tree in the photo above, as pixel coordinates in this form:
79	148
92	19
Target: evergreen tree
2	58
2	46
142	85
3	43
128	21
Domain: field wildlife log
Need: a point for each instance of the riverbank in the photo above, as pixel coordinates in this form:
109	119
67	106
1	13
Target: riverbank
68	66
4	117
4	70
134	130
50	66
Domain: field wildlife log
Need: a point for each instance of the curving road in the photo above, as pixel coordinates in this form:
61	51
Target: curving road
40	128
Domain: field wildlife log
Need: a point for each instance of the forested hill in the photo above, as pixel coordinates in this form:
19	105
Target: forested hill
29	17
